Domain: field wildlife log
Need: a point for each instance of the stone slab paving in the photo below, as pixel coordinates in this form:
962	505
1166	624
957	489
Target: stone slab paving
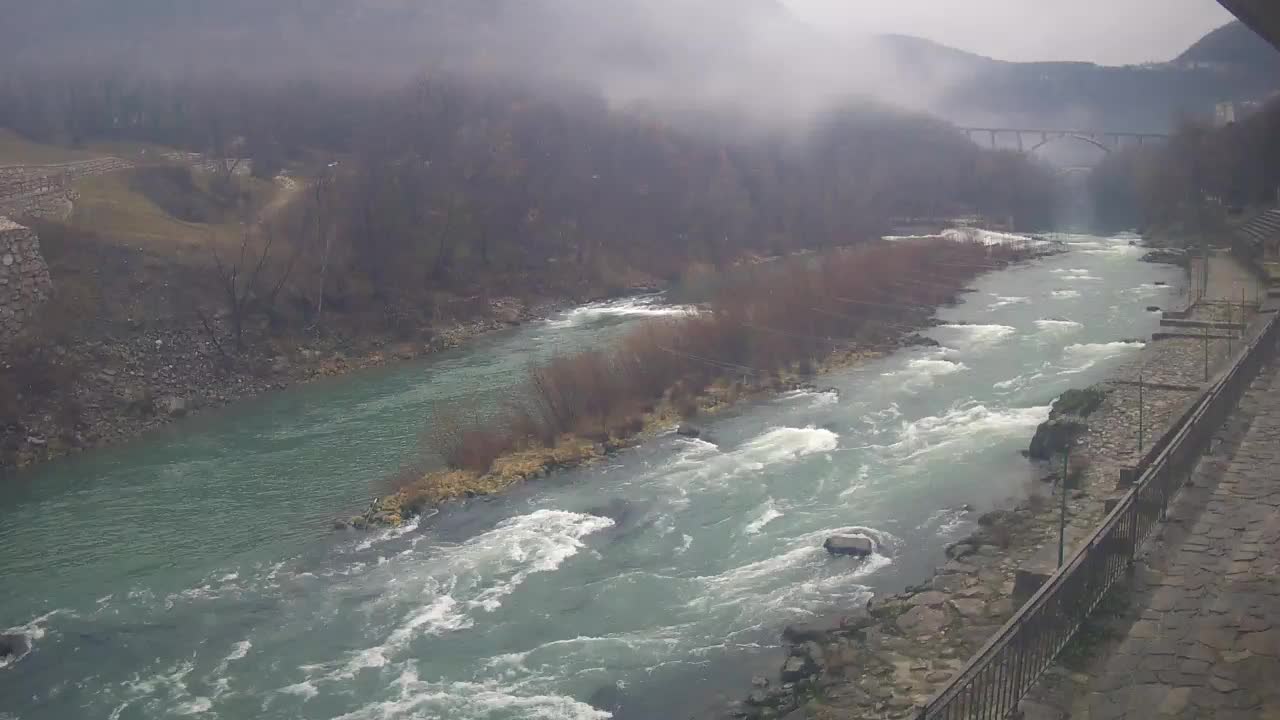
1202	639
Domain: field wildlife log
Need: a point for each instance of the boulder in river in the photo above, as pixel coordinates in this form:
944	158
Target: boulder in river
689	431
852	545
14	646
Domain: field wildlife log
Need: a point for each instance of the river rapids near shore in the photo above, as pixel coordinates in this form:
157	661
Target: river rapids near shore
194	572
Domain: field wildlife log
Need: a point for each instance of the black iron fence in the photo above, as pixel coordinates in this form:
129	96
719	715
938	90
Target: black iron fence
997	678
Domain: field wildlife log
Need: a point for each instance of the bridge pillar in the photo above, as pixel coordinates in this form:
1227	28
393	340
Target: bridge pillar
993	139
1020	146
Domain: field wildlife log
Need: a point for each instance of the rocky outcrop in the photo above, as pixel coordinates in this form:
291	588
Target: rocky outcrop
1066	421
1168	256
24	279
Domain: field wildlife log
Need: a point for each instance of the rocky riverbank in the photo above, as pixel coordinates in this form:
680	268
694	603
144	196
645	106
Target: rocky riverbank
889	658
132	382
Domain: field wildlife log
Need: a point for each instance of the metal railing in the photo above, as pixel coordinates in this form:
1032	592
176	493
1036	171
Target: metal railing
996	679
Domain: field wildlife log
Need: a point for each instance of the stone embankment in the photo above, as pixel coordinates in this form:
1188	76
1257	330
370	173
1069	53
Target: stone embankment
888	659
47	190
24	279
132	382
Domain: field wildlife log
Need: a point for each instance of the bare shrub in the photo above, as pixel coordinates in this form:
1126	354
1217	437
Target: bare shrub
762	321
466	444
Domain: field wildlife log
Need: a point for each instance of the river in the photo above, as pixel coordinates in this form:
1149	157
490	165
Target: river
194	573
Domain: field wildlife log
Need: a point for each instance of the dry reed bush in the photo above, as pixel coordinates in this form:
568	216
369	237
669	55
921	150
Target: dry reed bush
764	321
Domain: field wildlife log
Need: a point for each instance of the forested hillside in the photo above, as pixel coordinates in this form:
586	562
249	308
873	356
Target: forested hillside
1189	186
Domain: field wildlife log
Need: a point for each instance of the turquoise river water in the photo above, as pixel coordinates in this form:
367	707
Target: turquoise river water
193	573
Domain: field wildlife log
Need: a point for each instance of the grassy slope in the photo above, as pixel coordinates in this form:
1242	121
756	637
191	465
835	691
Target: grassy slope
111	208
16	150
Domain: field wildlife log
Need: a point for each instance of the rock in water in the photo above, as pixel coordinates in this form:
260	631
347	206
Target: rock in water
853	545
14	646
1054	436
689	431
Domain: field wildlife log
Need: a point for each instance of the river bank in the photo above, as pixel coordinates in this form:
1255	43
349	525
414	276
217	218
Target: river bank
135	382
889	658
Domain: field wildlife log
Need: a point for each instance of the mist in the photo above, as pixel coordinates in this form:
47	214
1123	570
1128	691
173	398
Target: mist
751	59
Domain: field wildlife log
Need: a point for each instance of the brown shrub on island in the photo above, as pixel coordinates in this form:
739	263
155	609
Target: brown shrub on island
772	320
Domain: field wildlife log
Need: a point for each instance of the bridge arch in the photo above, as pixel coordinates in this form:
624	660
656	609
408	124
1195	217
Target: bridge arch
1072	136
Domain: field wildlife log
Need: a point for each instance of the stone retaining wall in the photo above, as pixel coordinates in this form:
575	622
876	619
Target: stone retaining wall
24	279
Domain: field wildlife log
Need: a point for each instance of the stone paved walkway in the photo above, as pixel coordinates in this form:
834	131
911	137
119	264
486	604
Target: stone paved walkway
1203	640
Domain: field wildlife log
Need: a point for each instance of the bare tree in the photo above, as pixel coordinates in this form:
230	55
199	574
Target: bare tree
244	284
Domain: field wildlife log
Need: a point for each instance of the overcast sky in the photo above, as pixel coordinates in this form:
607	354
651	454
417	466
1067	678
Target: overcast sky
1113	32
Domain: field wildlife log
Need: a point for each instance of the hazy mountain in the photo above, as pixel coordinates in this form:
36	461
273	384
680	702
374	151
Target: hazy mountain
750	57
1234	46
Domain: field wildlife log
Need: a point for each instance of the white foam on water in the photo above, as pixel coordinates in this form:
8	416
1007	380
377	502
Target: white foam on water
817	398
986	237
701	460
970	423
1081	357
475	577
415	698
1058	328
784	444
686	542
441	616
305	690
883	417
389	534
649	306
1116	250
1147	290
195	706
799	580
33	630
989	237
969	338
768	513
1003	301
1081	277
1065	294
922	372
240	650
170	686
948	522
1016	383
858	483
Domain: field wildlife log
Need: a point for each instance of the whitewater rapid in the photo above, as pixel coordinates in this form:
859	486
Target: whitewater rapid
653	584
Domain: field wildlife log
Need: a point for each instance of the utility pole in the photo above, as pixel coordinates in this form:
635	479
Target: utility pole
1062	509
1140	415
1206	353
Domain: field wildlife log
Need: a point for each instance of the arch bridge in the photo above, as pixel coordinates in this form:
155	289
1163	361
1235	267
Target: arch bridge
1032	139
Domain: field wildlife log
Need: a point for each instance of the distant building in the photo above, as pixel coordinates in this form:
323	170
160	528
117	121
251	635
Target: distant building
1224	113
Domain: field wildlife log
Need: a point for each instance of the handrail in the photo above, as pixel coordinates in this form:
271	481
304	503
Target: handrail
1001	673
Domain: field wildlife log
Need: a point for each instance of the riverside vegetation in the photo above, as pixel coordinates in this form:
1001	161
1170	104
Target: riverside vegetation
771	326
408	217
